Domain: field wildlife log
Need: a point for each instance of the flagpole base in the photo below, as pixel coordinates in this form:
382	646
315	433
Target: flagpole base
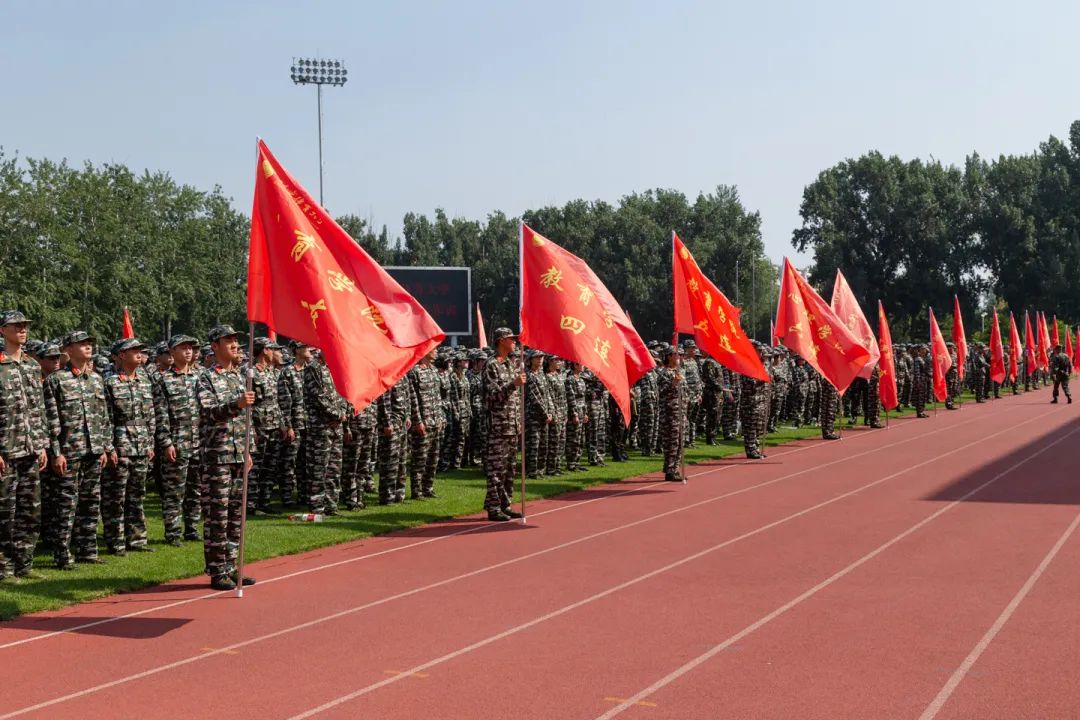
239	592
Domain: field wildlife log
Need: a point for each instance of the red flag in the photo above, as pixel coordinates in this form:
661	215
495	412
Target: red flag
566	310
127	331
1042	349
1054	337
703	311
1029	345
847	309
887	392
480	333
309	280
808	326
1014	349
1068	344
1076	352
959	338
997	352
939	356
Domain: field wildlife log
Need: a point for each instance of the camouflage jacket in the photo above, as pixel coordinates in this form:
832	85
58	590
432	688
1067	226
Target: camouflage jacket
501	396
131	410
394	407
538	405
575	398
266	413
692	376
77	414
460	398
290	392
426	400
222	421
176	411
672	393
22	408
321	400
1060	366
557	390
646	385
364	421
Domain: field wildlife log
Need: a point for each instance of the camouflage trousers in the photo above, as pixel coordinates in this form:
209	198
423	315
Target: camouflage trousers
797	404
777	405
830	405
729	416
265	457
903	388
710	411
1061	383
635	422
575	438
424	459
499	455
356	467
980	387
224	511
79	494
123	488
180	496
324	467
693	412
474	448
453	452
392	452
952	387
754	414
556	447
871	402
49	503
536	448
812	410
291	468
918	394
648	427
673	442
616	432
595	433
20	514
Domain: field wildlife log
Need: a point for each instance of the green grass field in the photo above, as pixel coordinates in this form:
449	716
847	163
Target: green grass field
460	493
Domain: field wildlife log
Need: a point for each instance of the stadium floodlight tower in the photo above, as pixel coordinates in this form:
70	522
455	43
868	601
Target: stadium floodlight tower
319	72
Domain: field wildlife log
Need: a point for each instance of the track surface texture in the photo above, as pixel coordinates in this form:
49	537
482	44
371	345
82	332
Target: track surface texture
923	571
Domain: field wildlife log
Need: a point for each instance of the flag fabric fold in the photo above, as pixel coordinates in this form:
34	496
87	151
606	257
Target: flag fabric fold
1029	345
959	338
939	357
309	280
481	334
127	331
567	311
1014	349
1055	339
807	325
1076	352
1042	349
848	310
997	353
703	311
1068	344
887	391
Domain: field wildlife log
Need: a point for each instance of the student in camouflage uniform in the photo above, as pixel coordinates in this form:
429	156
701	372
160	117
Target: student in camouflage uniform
871	402
80	443
290	393
595	433
577	417
648	405
48	357
829	400
393	410
979	377
130	400
460	413
269	426
694	391
556	440
800	381
903	375
503	388
222	398
1060	369
671	386
177	441
712	398
326	415
781	380
539	413
23	443
616	431
920	380
754	407
427	423
952	379
729	411
474	448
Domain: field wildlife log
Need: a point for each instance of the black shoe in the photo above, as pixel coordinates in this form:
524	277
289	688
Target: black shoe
1070	401
223	582
192	535
140	548
384	501
175	542
673	478
1052	402
66	566
830	436
93	560
29	574
877	426
921	415
498	516
248	581
513	514
754	455
429	494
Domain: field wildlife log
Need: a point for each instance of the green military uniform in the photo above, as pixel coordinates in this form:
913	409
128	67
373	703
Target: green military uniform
326	413
1061	368
290	393
671	386
556	439
426	411
502	401
539	413
177	423
269	424
576	419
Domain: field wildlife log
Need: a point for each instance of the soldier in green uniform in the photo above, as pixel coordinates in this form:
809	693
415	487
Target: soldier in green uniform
577	417
503	383
290	393
49	359
671	386
920	380
595	433
269	425
393	413
222	398
23	443
130	400
754	407
1060	369
693	391
177	441
474	449
556	440
539	413
648	404
326	415
425	433
460	415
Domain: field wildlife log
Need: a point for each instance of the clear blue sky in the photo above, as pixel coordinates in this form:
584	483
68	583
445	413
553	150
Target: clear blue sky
477	106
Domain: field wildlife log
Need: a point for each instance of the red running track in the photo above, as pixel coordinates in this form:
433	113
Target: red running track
924	571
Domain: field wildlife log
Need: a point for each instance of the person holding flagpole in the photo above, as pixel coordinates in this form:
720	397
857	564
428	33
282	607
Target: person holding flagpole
503	381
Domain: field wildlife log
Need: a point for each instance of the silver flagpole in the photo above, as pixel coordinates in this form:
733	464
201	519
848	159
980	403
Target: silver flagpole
248	382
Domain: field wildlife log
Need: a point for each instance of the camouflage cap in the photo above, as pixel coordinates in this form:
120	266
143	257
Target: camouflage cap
128	344
48	350
222	331
667	350
12	316
503	332
177	340
206	350
77	336
32	346
162	348
293	344
265	343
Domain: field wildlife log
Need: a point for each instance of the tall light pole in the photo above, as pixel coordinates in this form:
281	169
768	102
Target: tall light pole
318	72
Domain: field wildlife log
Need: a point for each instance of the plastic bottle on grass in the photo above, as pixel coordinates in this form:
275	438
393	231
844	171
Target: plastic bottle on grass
306	517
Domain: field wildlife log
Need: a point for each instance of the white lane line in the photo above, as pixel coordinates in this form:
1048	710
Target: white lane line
317	621
641	578
716	649
957	677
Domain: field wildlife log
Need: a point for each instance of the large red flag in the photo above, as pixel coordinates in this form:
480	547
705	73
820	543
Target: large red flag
1055	339
847	309
1042	349
127	331
1076	352
703	311
480	333
1029	345
1014	349
1068	344
567	311
887	382
939	356
309	280
959	338
808	326
997	352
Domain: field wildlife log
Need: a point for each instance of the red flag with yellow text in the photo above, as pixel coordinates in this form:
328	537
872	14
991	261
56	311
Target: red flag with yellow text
567	311
940	358
1014	349
887	392
703	311
847	309
959	338
997	352
807	325
309	280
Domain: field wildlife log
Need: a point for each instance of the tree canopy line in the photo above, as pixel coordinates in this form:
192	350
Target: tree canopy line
80	244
